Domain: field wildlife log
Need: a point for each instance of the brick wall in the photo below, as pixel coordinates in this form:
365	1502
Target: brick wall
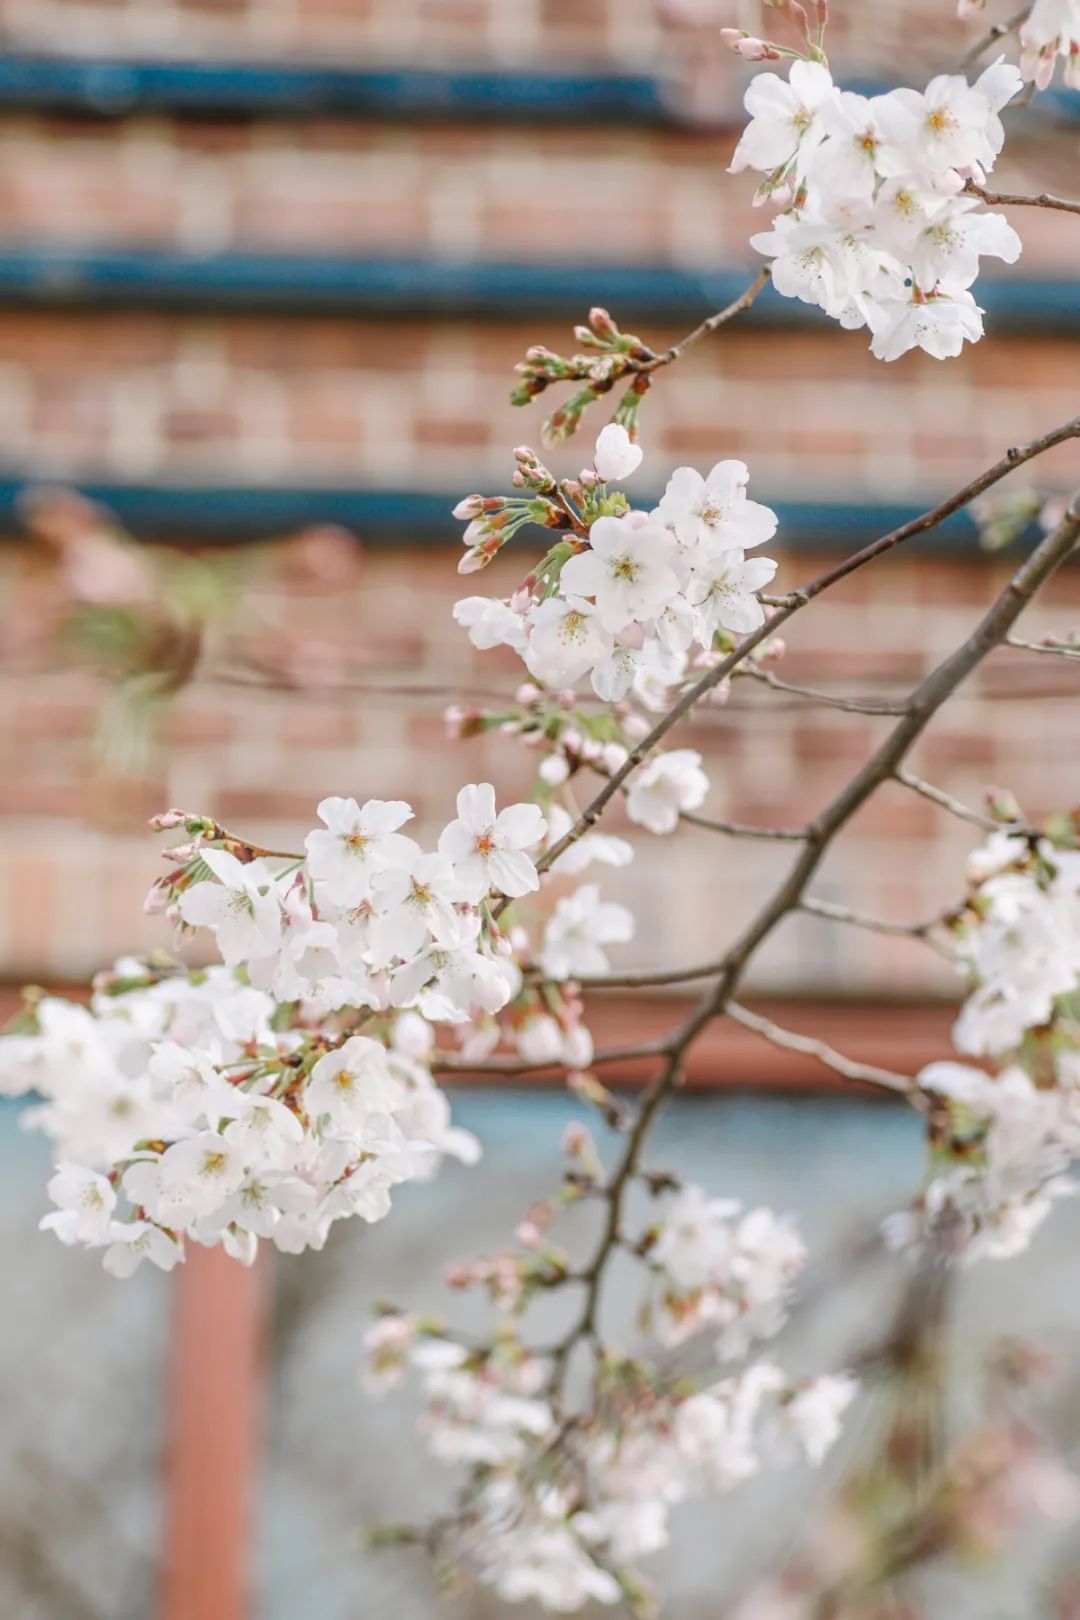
295	400
623	33
74	862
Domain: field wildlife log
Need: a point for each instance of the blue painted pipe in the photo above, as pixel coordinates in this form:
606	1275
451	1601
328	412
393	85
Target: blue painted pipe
234	513
239	282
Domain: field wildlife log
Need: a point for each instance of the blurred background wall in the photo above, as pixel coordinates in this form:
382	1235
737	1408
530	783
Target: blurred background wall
265	268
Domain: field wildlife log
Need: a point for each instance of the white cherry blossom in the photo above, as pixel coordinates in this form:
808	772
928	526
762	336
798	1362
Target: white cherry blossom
713	513
627	570
664	786
488	849
784	118
242	907
358	842
616	456
579	928
566	640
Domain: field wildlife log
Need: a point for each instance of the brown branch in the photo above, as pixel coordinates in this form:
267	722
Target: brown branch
999	31
456	1063
868	1073
707	327
1013	199
923	932
849	705
742	829
881	767
1058	648
938	796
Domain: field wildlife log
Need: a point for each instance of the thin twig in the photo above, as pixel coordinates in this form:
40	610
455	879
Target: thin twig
1057	648
809	1047
923	932
707	326
456	1063
1012	199
848	704
938	796
998	32
742	829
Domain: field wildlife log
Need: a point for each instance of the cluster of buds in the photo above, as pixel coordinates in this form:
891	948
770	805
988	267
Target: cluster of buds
494	519
810	31
612	355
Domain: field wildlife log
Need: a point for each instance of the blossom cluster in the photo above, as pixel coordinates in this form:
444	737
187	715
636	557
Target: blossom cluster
559	1510
289	1085
632	600
1019	940
1003	1142
1002	1149
1048	29
878	228
179	1110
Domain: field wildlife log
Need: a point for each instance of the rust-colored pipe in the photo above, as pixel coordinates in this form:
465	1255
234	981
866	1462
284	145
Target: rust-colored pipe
214	1404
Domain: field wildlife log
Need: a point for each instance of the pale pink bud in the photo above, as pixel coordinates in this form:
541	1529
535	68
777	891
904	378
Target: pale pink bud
470	507
578	1047
157	898
554	770
616	457
168	819
747	46
521	599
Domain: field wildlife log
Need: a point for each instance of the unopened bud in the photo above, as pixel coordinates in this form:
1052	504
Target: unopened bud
1003	806
168	819
602	324
554	770
750	48
470	507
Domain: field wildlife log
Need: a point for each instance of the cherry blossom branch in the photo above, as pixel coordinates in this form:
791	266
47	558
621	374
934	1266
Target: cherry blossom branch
1012	199
946	801
826	699
741	829
455	1063
792	603
883	765
791	1041
923	932
1055	648
999	31
711	324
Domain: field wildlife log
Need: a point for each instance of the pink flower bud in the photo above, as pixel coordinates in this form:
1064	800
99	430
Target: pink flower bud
168	819
554	770
748	46
470	507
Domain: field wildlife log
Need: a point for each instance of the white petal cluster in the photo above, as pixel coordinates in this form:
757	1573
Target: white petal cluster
1051	30
289	1086
179	1113
723	1269
626	610
558	1514
1018	1140
877	228
1020	941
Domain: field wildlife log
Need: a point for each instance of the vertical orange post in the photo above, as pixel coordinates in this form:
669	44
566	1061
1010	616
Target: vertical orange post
215	1399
